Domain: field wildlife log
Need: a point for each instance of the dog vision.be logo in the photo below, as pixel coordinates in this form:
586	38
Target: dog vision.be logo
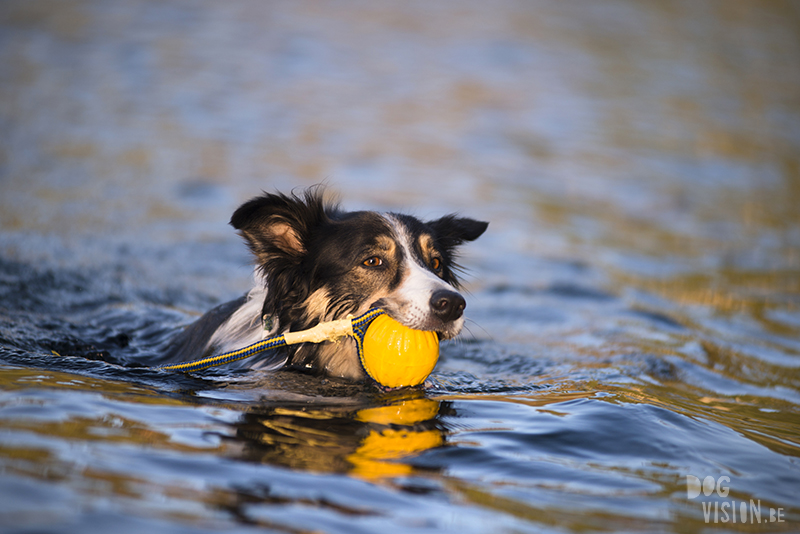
723	510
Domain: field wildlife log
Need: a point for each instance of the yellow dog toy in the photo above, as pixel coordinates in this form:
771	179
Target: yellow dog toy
392	354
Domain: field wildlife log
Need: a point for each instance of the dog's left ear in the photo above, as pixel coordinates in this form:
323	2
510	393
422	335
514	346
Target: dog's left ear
450	231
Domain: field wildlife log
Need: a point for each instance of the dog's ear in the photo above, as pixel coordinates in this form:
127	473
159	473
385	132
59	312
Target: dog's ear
278	226
451	231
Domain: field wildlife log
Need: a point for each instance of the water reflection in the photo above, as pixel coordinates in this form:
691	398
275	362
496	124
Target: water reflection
368	441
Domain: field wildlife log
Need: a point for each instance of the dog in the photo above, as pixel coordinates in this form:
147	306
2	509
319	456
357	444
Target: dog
316	262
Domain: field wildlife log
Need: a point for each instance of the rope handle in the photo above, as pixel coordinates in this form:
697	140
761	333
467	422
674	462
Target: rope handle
329	331
355	327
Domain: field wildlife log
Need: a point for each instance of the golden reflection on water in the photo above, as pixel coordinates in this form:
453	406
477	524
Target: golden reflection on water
395	437
772	423
376	441
18	379
369	443
732	291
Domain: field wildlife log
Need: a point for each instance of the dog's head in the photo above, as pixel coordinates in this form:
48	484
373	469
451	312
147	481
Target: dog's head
320	263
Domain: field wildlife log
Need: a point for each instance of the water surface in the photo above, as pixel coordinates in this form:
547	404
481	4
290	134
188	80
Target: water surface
634	308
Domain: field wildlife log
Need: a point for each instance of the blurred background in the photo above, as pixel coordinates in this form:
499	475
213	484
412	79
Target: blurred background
653	138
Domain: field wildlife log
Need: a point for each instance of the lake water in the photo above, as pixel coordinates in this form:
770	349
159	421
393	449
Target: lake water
631	360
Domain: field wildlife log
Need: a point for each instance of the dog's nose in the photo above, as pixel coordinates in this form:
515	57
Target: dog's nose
447	305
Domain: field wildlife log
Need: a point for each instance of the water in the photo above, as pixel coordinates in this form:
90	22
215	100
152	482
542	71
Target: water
634	308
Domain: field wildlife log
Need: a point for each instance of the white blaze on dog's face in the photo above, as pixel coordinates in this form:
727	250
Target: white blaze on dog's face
423	300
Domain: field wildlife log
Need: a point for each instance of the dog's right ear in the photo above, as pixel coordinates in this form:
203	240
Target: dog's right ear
278	226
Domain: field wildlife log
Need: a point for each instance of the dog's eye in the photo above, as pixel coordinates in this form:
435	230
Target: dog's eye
436	264
374	261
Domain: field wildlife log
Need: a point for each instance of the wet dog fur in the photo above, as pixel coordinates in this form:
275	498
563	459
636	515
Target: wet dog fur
316	262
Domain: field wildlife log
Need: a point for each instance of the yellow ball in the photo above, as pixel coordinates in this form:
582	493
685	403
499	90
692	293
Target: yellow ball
395	355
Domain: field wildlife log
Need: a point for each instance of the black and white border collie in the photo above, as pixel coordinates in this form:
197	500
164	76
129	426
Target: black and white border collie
315	262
